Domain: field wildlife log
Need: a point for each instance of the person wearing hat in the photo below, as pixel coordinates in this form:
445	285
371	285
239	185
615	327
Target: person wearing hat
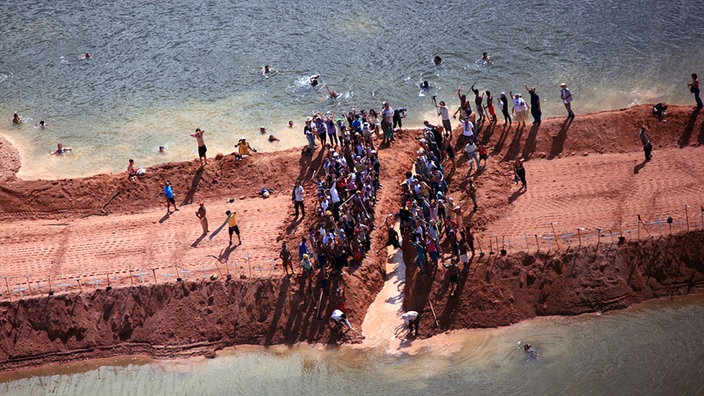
200	213
519	108
566	96
244	147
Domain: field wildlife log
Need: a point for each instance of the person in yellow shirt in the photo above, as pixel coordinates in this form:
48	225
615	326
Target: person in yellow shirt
232	226
244	147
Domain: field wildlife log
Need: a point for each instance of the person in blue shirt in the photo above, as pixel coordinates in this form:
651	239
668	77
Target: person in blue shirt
302	248
169	194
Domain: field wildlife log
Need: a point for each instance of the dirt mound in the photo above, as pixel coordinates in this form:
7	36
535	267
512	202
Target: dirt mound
197	317
501	290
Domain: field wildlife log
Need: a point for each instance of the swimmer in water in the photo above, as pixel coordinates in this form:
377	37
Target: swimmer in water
42	124
268	71
290	123
273	138
314	80
437	61
162	149
60	149
486	58
332	93
87	55
425	85
530	351
262	130
16	119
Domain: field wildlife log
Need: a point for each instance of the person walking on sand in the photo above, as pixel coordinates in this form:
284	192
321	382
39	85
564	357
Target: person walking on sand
453	271
286	259
647	145
520	173
534	105
297	198
471	150
411	319
201	146
566	96
694	88
169	194
200	214
232	226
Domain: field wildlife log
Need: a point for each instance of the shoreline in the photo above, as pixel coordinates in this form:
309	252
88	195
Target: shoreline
279	311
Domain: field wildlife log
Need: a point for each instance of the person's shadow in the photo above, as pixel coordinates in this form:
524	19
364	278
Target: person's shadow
166	217
640	166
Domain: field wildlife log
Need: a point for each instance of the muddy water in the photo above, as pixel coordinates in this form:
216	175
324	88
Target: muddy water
655	348
160	70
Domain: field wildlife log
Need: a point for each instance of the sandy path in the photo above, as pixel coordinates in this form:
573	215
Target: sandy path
383	319
88	248
601	191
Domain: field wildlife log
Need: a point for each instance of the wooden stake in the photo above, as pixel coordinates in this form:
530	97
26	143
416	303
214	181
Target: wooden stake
320	302
29	286
131	278
686	216
7	284
557	243
154	272
579	235
537	243
433	311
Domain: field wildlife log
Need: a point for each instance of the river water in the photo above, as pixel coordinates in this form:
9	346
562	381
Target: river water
159	70
653	349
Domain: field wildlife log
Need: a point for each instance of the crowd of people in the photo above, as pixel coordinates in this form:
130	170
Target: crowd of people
346	189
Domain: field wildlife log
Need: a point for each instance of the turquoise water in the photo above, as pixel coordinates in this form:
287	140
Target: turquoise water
653	349
159	70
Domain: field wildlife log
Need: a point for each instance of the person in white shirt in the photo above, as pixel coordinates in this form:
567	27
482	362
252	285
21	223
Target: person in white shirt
471	150
410	320
566	96
444	112
467	129
297	196
339	318
520	108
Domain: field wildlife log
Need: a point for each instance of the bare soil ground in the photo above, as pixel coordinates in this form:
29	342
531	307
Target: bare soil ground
587	173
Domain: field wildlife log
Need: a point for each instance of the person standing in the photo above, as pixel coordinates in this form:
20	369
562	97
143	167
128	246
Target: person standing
310	136
200	213
503	103
519	108
286	258
520	173
647	145
478	99
201	146
444	112
232	226
694	88
387	122
297	197
566	96
534	105
490	106
169	194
